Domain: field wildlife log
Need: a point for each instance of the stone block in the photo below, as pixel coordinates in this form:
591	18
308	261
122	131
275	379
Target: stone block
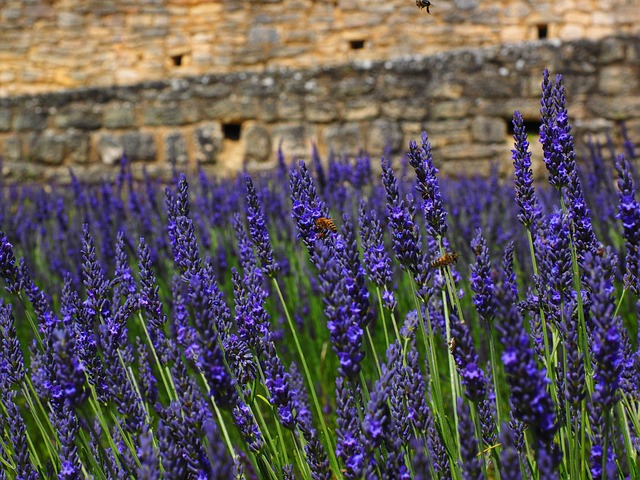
293	139
119	116
175	149
361	108
488	130
46	148
344	138
319	110
30	119
290	107
12	149
618	80
208	143
171	113
139	146
79	117
5	119
77	146
110	149
257	142
383	134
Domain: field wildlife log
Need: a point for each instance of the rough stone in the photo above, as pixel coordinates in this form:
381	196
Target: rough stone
81	118
320	110
12	149
175	148
139	146
257	143
208	143
383	134
30	119
172	114
5	120
344	138
488	130
110	149
47	148
77	146
119	116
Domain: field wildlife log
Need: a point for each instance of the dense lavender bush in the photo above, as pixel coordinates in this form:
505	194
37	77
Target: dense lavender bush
319	322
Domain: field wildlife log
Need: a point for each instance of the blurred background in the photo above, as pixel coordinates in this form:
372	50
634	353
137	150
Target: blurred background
225	83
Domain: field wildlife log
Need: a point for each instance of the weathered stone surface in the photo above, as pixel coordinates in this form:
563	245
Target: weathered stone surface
30	119
257	143
175	148
383	134
82	118
12	149
488	130
171	113
319	110
119	116
139	146
5	119
77	146
208	143
344	138
47	148
110	149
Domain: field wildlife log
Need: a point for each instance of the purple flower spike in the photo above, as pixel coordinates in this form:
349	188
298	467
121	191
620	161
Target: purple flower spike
471	465
629	215
427	185
11	358
258	229
481	282
467	361
525	193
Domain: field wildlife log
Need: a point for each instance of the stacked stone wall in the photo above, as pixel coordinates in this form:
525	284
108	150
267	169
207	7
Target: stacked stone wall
50	45
464	100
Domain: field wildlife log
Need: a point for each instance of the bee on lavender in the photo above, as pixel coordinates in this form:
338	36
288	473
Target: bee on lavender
423	4
324	226
446	259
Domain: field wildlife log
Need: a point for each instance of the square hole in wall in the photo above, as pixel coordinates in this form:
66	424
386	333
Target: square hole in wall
232	131
543	30
176	60
356	44
531	126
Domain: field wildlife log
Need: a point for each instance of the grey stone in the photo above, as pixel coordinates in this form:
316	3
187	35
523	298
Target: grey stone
320	110
175	148
260	35
489	130
119	116
383	134
164	114
257	143
292	138
47	148
231	109
13	149
79	117
77	147
139	146
30	119
110	149
208	143
5	119
344	138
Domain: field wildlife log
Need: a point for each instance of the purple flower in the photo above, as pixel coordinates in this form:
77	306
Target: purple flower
509	457
149	468
349	447
11	357
525	193
307	206
471	465
247	426
481	279
427	185
467	361
258	229
629	215
17	431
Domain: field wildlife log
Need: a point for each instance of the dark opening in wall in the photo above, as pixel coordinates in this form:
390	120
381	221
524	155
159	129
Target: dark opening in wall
356	44
531	126
543	30
176	60
231	131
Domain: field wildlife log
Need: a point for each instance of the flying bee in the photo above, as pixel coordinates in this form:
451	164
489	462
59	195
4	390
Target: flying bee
452	345
324	226
423	4
448	258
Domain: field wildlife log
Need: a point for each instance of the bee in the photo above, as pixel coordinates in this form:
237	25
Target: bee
423	4
452	345
325	225
448	258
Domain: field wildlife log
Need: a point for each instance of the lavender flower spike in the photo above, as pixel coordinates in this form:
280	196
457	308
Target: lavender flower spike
629	215
525	193
258	230
427	185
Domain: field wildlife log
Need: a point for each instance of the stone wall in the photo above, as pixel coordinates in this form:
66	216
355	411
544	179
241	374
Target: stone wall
50	45
464	100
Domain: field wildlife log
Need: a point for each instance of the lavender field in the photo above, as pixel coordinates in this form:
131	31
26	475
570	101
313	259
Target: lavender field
324	321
